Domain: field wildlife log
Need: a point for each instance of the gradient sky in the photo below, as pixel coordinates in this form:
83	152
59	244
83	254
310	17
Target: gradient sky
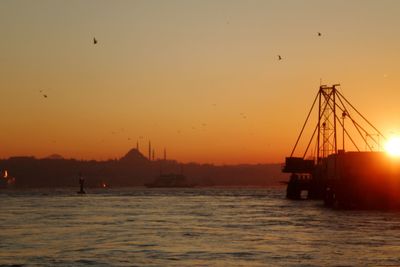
200	78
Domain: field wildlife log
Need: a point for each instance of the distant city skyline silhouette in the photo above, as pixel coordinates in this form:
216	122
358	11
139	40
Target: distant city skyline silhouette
133	169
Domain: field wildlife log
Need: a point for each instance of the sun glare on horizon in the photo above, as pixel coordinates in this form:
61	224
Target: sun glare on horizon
392	146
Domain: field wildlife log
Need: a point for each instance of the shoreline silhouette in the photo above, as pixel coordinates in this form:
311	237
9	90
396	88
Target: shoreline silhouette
133	169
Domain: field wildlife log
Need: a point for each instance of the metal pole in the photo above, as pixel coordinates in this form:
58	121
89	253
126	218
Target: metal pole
343	116
319	123
334	117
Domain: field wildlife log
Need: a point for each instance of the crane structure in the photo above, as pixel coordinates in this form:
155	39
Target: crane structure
332	109
331	103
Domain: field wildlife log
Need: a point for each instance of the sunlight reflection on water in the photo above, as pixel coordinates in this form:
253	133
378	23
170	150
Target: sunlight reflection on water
189	227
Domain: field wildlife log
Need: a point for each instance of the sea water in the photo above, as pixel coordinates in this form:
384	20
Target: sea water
189	227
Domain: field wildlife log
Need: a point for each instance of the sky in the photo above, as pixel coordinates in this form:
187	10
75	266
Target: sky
199	78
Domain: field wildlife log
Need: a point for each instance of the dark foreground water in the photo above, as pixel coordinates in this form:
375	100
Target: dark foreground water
189	227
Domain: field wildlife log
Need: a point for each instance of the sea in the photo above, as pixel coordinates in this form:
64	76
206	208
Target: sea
189	227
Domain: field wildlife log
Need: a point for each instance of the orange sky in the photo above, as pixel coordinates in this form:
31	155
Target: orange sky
200	78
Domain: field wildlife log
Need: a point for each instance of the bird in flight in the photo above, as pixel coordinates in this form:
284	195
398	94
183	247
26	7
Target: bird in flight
279	57
44	95
94	41
319	34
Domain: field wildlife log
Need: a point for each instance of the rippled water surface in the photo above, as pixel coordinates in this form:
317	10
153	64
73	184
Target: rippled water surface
189	227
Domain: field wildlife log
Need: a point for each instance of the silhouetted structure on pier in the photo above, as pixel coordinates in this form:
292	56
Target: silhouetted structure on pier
369	179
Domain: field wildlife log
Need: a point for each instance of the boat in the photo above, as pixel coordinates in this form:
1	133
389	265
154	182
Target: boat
170	180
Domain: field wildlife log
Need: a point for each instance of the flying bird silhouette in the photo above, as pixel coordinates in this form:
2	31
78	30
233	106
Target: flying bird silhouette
319	34
43	94
94	41
279	57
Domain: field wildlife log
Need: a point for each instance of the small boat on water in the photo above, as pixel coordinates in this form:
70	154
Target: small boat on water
170	180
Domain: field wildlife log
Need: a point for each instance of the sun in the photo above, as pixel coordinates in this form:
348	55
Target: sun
392	146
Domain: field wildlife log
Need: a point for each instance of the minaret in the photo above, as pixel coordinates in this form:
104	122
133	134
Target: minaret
154	154
149	150
165	154
137	145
